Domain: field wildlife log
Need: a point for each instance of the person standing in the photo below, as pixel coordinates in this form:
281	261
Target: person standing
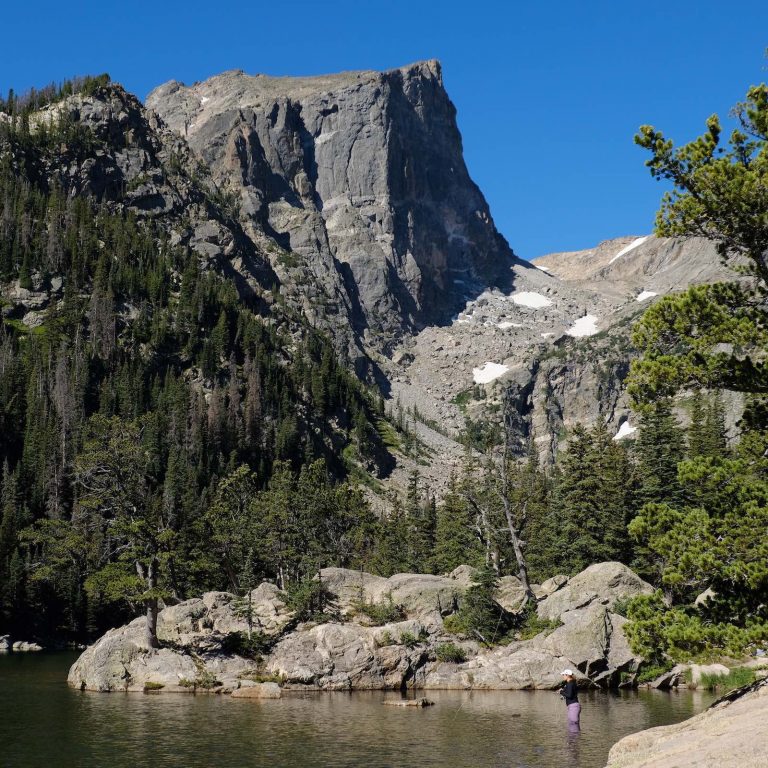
570	693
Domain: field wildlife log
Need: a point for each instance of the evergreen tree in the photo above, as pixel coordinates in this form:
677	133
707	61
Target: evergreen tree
457	540
592	498
659	448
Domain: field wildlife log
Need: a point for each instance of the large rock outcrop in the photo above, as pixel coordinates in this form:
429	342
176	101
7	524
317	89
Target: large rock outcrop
360	176
203	640
730	734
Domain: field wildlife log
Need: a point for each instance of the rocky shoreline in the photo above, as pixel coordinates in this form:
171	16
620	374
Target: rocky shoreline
202	639
730	734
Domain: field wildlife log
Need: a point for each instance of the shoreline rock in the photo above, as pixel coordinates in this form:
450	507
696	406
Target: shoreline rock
730	734
204	648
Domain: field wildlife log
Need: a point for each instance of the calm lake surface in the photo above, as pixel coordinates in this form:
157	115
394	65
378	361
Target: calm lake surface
44	724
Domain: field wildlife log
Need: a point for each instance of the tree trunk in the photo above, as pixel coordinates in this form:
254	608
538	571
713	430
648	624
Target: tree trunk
149	575
514	534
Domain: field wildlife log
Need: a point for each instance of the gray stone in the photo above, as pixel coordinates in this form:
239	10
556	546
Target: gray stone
697	670
602	583
730	734
24	646
344	657
669	679
419	594
258	691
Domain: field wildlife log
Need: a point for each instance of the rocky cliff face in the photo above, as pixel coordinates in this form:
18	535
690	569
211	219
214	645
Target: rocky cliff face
561	339
131	160
360	180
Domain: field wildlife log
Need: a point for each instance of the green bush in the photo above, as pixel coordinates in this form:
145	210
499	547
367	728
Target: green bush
262	676
151	686
253	647
311	600
532	625
450	652
380	613
480	616
649	673
409	640
385	639
203	680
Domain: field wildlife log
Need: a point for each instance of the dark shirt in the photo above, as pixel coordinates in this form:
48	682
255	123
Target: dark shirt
570	692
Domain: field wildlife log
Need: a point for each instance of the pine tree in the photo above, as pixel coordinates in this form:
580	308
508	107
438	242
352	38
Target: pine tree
659	449
593	500
457	540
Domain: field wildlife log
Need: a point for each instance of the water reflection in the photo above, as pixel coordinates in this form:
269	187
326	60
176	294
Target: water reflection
463	730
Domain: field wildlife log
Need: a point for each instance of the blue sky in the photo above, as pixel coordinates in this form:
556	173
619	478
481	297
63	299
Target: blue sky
549	94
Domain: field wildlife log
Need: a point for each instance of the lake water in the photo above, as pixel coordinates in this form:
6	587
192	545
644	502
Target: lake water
45	724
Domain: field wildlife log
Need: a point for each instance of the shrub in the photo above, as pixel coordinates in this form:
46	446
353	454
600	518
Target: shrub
450	652
252	647
380	613
532	625
650	672
480	616
311	600
262	676
409	640
151	686
203	680
621	606
385	639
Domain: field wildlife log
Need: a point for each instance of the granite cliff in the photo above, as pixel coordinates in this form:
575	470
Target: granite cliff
360	177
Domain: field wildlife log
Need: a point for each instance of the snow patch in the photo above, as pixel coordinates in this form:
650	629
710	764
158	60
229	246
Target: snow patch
543	269
547	335
630	247
625	430
530	299
507	324
204	100
488	372
646	295
323	137
584	326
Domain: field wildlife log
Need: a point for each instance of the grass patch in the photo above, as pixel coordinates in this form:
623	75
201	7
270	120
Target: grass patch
738	677
261	676
388	434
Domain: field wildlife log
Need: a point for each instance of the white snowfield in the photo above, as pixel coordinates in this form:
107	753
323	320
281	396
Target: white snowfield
488	372
504	324
625	430
628	248
543	269
645	295
530	299
584	326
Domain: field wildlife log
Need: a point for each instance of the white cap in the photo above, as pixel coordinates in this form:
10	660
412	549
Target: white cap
567	672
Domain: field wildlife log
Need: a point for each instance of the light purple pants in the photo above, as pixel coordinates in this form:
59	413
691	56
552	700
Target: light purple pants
574	713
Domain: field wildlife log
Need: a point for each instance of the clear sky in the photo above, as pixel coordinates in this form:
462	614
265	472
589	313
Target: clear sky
549	94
